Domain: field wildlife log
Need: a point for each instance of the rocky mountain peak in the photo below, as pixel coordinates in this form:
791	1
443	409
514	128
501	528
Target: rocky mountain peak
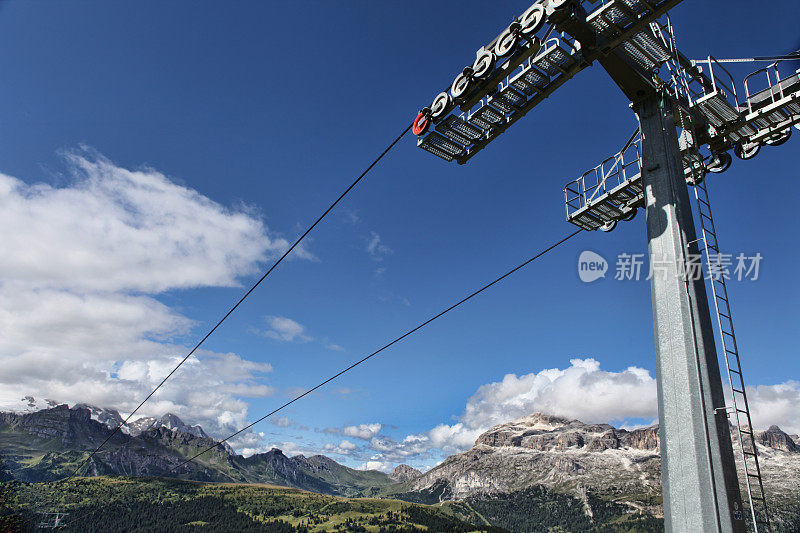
775	438
108	417
543	421
170	421
404	473
540	431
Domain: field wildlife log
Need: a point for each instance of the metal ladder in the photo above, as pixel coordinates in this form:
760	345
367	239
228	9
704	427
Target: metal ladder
740	408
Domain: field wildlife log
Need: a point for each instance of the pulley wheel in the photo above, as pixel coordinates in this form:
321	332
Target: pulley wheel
780	138
484	64
608	226
505	43
746	150
421	124
460	85
533	19
720	162
440	105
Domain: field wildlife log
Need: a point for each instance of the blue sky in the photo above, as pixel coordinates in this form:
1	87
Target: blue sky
266	112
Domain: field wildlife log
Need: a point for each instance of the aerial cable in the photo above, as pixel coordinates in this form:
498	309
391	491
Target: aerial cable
232	309
384	347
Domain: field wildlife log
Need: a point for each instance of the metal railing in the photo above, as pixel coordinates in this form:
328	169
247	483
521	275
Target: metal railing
620	168
772	67
717	83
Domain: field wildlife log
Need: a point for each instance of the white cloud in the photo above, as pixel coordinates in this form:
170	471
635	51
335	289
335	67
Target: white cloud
362	431
581	391
343	448
256	444
376	249
775	405
114	229
347	445
412	446
455	438
79	318
335	347
281	422
285	329
382	466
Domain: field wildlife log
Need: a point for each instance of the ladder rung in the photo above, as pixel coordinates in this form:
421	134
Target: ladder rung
737	372
730	352
701	200
742	410
757	476
750	453
737	390
723	314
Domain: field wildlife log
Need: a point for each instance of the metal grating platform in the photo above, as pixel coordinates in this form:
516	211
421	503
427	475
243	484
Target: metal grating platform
486	117
613	17
613	190
553	59
441	146
461	131
530	81
609	192
773	109
646	50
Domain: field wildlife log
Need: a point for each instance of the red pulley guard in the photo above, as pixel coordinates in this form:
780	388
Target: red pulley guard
421	124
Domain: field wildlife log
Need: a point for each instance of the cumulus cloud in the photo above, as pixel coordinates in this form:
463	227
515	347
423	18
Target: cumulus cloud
382	466
362	431
581	391
343	448
115	229
285	329
79	317
412	446
776	405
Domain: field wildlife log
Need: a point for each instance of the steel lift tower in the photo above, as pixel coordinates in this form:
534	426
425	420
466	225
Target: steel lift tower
689	119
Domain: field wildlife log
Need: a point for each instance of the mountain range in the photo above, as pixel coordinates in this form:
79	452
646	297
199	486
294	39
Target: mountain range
596	464
586	474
